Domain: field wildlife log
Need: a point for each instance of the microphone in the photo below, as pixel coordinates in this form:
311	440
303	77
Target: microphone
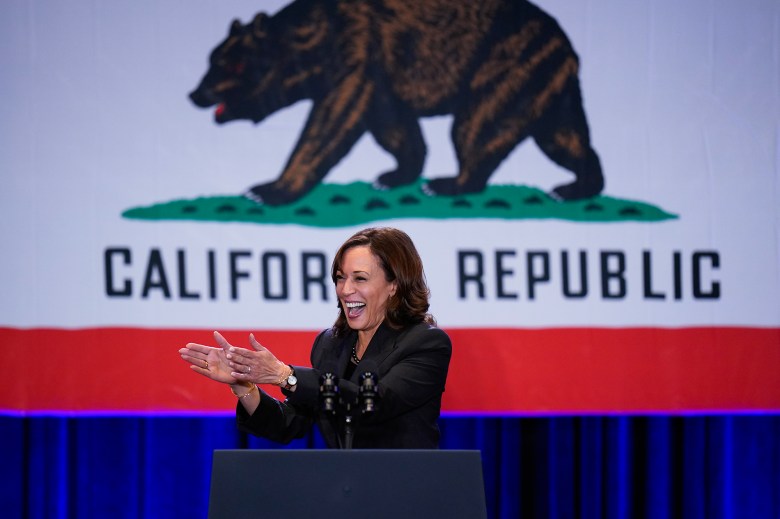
368	392
329	392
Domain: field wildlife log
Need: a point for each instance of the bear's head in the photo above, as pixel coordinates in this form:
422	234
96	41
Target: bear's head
250	73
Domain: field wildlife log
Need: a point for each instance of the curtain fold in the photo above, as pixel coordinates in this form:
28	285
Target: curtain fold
580	466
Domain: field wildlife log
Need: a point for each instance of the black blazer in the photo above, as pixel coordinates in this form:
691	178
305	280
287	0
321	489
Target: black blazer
411	366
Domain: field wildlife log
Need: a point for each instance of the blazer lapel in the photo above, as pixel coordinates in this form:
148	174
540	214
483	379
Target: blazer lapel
382	344
344	352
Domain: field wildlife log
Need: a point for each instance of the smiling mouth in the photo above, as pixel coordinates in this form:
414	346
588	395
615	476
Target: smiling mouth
354	309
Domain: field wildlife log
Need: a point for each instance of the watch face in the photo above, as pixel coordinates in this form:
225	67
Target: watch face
292	380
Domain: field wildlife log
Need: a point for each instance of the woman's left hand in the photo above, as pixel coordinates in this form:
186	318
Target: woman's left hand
258	365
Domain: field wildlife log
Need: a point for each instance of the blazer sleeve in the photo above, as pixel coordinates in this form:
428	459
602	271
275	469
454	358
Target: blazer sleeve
284	421
307	391
274	420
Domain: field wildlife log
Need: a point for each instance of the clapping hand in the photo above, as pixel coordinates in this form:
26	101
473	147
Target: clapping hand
209	361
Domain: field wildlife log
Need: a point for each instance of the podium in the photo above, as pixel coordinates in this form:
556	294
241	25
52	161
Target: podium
249	484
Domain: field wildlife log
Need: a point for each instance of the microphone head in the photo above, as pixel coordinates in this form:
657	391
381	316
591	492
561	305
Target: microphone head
329	392
368	392
368	380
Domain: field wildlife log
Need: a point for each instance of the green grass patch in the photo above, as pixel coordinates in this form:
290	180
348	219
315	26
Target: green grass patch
341	205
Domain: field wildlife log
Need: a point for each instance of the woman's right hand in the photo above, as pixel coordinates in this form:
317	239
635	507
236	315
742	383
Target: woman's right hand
209	361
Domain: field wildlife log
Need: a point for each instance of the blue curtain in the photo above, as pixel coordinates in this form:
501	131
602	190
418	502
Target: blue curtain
557	467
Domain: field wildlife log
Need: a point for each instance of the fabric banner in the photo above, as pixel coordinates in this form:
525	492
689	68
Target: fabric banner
592	188
497	371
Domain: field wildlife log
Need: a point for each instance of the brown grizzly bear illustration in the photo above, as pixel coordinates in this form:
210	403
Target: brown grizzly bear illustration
504	70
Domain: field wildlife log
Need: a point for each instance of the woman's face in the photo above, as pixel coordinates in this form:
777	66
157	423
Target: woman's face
362	289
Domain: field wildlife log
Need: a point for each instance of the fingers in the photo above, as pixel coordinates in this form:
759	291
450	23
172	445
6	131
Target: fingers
186	357
193	356
238	360
245	353
202	367
240	354
241	369
223	343
200	348
253	342
200	370
244	373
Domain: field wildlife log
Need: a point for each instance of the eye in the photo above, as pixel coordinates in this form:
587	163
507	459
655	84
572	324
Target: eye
234	68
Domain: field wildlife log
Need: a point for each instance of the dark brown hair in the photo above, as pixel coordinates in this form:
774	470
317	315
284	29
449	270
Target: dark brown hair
399	259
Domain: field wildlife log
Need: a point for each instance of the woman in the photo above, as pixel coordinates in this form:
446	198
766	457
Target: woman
382	328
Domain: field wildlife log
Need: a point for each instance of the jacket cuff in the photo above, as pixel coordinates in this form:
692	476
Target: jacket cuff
307	390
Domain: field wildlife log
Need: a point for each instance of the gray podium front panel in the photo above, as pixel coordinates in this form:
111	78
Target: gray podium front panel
396	484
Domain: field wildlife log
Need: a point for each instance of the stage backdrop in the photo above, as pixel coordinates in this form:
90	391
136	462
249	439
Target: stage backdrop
167	173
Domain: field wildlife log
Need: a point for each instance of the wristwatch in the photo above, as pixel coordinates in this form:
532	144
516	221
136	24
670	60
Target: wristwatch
290	381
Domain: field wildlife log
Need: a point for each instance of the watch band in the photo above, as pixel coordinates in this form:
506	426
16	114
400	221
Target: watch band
289	380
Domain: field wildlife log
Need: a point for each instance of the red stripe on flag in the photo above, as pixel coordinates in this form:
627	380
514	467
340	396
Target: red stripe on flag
625	370
518	371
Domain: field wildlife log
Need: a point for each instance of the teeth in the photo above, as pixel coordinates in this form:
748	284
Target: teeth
354	305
